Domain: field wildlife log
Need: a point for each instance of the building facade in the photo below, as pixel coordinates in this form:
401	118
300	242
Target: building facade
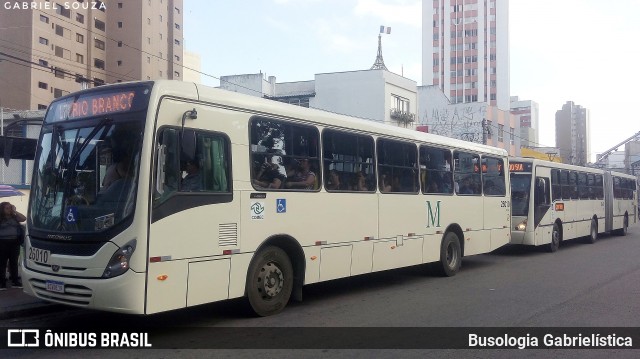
377	95
54	47
474	122
527	113
465	50
573	134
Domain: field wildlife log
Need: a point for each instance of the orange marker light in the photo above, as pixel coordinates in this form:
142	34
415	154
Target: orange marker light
162	277
313	258
559	206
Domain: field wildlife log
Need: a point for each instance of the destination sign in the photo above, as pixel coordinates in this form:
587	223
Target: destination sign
98	103
519	167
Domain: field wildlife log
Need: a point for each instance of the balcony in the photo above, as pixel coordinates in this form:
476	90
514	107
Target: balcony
402	117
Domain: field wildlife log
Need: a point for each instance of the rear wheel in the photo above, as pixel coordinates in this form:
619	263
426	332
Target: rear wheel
450	256
269	281
555	239
625	227
593	233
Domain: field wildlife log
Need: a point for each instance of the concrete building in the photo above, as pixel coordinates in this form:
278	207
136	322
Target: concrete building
48	45
192	67
573	134
474	122
377	94
465	50
527	113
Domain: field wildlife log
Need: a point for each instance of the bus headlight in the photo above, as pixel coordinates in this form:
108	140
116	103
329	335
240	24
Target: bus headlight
521	226
119	262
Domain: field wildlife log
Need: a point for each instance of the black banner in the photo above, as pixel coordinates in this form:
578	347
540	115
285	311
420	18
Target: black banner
323	338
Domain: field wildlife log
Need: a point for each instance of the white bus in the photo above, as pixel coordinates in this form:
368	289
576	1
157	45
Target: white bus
154	196
553	202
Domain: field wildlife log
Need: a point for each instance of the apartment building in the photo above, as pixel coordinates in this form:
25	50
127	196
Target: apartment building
51	48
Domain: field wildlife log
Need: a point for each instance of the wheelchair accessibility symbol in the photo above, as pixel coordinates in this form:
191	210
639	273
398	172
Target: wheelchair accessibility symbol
281	205
72	215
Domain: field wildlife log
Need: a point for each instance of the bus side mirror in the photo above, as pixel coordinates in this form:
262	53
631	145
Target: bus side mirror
188	145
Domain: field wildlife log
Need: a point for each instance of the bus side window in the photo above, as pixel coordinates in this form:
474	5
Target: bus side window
542	192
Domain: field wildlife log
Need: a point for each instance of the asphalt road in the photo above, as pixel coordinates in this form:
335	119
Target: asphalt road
581	285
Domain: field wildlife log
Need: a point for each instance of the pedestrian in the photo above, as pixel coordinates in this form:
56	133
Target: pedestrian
11	236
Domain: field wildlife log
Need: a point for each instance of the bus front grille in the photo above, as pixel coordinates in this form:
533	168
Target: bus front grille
76	295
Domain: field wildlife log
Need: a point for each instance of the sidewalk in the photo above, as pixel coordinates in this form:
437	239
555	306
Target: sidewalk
15	303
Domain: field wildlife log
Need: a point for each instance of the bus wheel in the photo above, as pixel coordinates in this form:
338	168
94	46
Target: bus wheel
555	239
450	256
269	281
625	227
593	233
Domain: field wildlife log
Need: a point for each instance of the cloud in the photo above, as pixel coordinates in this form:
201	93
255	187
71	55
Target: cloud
408	12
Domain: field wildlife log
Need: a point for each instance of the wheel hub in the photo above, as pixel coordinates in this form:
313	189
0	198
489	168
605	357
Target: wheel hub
271	280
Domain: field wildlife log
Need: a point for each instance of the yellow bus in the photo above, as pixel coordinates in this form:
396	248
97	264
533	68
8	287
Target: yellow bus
154	196
553	202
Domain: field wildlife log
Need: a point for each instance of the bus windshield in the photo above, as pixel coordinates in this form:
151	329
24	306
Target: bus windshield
85	174
520	189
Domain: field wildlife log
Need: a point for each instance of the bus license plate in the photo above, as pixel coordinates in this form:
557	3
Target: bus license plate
54	286
39	255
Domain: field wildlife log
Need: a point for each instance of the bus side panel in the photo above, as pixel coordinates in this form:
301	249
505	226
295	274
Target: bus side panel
362	260
167	286
390	254
238	274
497	219
208	282
335	262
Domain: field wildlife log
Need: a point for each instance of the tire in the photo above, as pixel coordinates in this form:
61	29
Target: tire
555	239
625	227
450	256
269	281
593	232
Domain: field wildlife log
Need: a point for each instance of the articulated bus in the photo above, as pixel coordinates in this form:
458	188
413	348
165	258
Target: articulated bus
153	196
553	202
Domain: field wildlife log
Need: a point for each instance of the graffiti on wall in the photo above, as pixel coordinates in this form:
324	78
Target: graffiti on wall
462	122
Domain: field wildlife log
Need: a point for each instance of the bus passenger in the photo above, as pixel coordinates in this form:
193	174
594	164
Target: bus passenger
333	182
192	182
271	174
303	177
360	182
385	183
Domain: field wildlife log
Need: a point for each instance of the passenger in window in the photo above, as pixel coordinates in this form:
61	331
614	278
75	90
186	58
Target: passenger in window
385	183
192	182
432	187
466	187
302	177
396	186
333	183
271	175
359	182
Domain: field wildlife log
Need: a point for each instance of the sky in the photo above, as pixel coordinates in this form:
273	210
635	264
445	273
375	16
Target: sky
560	50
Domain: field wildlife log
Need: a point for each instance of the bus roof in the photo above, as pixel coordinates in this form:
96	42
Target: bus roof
564	166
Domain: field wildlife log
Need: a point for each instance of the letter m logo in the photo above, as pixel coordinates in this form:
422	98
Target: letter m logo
433	215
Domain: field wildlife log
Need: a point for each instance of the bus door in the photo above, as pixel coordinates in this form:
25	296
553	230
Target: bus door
543	214
193	219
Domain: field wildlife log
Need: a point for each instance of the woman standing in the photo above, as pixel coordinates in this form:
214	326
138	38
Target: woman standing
10	235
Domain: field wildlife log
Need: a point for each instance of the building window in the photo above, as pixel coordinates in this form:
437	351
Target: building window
176	41
57	93
42	107
492	97
160	73
160	36
148	59
160	54
98	63
500	133
58	72
43	85
98	24
99	44
119	62
80	58
177	26
62	52
80	38
177	10
80	18
100	5
177	58
176	74
160	18
44	19
148	21
119	24
512	139
61	10
489	130
43	41
98	82
119	5
148	40
119	43
44	63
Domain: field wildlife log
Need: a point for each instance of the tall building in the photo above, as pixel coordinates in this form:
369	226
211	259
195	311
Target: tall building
465	50
527	113
51	48
573	136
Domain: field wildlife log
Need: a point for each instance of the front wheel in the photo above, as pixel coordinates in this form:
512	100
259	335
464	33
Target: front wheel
450	256
269	281
593	233
555	239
